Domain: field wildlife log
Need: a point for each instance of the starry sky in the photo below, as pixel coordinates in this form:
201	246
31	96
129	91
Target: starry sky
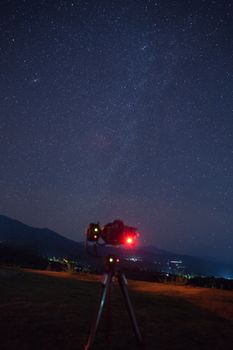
120	109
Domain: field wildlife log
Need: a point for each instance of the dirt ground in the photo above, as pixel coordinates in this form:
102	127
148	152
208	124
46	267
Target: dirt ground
52	310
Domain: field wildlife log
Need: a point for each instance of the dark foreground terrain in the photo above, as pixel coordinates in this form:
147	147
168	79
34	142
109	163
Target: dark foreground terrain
48	311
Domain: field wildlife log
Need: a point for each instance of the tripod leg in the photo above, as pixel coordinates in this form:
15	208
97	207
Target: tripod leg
108	312
123	285
105	285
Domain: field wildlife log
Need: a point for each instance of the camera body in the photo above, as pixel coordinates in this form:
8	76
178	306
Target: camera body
114	233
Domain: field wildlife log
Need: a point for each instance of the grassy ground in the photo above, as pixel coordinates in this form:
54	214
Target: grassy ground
48	311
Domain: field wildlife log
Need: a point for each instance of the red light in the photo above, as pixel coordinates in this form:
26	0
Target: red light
129	240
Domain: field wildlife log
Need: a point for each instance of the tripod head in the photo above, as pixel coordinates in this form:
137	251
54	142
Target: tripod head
112	263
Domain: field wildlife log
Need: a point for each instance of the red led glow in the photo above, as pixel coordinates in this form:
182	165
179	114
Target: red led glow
129	240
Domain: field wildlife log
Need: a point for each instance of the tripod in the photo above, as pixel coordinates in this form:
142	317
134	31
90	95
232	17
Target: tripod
105	296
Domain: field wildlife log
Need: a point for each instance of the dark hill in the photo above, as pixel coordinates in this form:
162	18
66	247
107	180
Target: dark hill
40	241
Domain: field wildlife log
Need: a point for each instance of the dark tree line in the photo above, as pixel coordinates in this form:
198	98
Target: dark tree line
21	257
211	282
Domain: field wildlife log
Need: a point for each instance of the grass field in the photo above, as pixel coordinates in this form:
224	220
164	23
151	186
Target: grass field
49	310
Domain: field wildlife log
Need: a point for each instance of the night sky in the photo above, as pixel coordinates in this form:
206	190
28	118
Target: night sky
120	109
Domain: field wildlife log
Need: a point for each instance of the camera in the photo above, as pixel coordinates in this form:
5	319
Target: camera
114	233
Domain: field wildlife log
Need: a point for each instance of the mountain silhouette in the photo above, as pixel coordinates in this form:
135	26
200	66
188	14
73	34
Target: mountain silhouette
40	241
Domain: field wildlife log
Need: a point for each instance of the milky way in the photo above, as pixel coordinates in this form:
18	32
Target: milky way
120	109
